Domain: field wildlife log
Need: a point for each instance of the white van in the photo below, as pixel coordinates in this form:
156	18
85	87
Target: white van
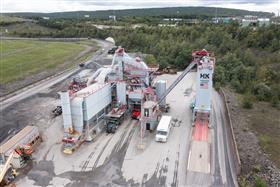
163	129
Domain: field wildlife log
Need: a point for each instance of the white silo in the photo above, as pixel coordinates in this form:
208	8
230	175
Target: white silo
204	84
121	93
160	90
66	111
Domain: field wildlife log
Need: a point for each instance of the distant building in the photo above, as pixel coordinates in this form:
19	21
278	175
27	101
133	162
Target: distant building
173	19
46	18
192	21
264	21
225	20
86	16
138	26
255	21
249	21
114	18
167	25
275	20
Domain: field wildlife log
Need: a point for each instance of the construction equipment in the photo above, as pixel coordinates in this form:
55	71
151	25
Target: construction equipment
169	70
165	108
57	111
71	142
77	84
25	151
82	64
21	146
114	119
112	51
136	111
7	173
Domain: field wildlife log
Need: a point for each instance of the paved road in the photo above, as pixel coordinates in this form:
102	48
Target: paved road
225	174
46	83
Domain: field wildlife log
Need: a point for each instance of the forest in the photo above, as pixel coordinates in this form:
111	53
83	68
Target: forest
248	59
183	12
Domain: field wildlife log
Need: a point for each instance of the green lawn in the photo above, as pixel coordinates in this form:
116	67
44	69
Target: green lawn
21	58
10	19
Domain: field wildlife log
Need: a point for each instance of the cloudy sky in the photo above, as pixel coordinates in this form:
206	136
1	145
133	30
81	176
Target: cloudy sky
90	5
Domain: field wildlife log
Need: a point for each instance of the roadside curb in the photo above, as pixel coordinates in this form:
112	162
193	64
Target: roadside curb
236	155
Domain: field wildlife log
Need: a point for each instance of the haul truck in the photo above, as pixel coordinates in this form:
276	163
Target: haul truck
114	119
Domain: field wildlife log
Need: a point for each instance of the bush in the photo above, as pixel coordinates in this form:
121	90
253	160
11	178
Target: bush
150	59
247	101
274	101
263	92
257	168
260	182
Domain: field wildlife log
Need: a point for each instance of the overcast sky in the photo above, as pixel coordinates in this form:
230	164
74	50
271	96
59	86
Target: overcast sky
90	5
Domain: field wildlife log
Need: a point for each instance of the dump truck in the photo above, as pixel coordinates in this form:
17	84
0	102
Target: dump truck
114	119
136	111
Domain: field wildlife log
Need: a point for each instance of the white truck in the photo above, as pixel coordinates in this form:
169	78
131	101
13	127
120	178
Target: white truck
163	129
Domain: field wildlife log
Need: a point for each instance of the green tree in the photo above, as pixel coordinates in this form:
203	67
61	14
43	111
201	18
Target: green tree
150	59
219	77
262	92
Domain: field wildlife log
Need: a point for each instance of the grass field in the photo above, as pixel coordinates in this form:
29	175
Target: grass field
22	58
9	19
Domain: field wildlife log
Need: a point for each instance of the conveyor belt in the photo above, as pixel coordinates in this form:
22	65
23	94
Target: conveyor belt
174	84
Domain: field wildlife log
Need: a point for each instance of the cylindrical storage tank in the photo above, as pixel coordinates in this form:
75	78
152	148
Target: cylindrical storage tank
77	114
121	93
160	90
66	111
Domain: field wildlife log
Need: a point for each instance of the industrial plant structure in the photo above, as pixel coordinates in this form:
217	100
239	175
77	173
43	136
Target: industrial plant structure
127	87
125	84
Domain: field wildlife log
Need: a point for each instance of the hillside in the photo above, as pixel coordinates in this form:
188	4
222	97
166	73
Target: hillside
159	12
